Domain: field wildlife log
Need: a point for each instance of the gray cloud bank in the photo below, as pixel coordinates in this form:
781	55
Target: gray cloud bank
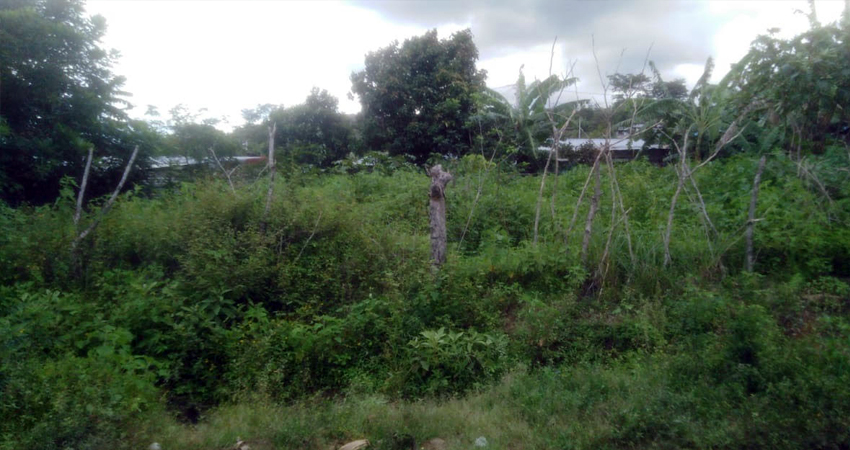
678	32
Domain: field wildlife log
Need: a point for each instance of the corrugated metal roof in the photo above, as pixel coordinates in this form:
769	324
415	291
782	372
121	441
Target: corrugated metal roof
613	144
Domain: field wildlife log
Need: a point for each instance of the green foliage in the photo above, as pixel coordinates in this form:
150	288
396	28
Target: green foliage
798	85
417	97
185	304
59	97
526	121
454	361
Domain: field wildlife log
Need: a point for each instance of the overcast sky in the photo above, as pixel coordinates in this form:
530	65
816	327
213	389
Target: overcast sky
231	55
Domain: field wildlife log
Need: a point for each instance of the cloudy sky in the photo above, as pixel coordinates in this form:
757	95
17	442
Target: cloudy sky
229	55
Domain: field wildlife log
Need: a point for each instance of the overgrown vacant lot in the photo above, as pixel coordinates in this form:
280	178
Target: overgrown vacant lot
187	325
634	261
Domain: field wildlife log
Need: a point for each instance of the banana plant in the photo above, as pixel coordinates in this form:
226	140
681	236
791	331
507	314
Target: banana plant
526	118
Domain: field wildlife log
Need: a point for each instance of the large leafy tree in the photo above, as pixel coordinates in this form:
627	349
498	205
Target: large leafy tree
799	87
58	96
418	97
196	139
314	132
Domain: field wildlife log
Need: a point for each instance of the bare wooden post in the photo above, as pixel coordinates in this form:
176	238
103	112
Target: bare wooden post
270	165
437	214
752	217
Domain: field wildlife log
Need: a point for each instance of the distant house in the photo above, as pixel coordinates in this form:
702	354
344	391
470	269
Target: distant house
167	169
622	149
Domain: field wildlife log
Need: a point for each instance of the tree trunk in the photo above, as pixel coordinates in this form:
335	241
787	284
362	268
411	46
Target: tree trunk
437	214
752	216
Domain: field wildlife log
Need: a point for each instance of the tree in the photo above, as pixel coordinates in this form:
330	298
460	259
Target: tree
314	132
629	86
193	140
58	97
801	85
527	121
417	97
252	137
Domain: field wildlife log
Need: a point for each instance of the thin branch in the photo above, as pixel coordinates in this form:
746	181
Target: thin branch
619	195
480	185
614	221
307	242
752	215
272	171
226	173
109	202
683	155
79	211
581	197
594	207
802	169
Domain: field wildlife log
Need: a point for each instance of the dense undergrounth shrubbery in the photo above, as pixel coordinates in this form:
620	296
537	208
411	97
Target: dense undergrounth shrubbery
330	325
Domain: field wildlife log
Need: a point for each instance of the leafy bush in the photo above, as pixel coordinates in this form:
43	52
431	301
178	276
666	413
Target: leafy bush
442	362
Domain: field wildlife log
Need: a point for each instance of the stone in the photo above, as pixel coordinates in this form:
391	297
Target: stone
355	445
481	442
435	444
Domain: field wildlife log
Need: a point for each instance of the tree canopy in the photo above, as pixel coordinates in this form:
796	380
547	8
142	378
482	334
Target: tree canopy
417	97
314	132
58	96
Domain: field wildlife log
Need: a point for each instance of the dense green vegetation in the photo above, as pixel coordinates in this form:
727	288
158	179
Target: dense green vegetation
185	304
604	306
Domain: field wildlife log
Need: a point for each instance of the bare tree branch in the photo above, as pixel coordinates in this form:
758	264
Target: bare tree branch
313	233
109	203
480	185
225	172
752	215
272	171
681	172
594	207
79	211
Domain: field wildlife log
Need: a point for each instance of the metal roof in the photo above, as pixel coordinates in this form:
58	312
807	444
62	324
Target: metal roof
613	144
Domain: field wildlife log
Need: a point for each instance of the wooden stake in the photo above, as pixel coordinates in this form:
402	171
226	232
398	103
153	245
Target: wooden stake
437	214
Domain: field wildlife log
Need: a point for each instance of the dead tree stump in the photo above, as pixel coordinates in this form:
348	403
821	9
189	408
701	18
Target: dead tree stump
437	213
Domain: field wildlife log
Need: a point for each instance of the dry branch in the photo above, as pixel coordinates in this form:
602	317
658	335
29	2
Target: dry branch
270	164
307	242
752	215
480	186
594	207
225	172
109	202
681	171
79	211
